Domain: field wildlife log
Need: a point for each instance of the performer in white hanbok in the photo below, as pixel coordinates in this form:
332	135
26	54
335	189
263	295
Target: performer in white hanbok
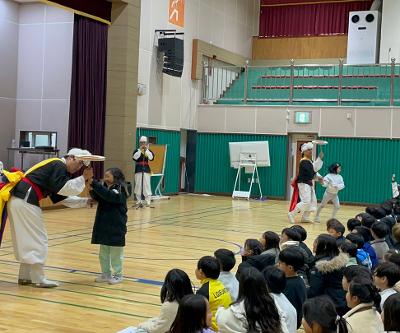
50	178
334	183
304	183
142	156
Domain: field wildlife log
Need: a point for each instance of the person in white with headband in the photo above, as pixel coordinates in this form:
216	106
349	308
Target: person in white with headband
308	172
142	156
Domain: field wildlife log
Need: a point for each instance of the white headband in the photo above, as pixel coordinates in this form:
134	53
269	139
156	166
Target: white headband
307	146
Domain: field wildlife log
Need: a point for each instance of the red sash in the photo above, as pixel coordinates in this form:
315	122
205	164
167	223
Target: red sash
295	195
36	188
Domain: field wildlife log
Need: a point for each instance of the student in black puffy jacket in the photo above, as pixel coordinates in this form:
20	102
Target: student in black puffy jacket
327	274
252	257
110	223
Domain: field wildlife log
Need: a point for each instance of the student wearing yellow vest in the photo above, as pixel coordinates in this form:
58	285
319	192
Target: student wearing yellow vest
208	269
49	178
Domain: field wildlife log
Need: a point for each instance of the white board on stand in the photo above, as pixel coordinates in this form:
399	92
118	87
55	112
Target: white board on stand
258	148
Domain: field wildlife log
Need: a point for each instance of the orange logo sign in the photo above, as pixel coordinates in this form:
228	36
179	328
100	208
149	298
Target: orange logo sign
177	12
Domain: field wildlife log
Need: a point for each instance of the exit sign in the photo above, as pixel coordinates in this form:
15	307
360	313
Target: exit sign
302	117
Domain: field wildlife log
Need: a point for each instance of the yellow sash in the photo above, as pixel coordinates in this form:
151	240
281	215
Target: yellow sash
14	178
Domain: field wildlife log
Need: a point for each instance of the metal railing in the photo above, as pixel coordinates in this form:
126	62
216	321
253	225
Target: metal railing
311	84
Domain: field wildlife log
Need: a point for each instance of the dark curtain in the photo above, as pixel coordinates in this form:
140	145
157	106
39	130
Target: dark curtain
308	19
98	8
88	88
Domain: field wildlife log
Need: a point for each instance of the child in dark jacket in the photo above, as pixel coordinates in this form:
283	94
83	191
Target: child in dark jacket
290	261
110	223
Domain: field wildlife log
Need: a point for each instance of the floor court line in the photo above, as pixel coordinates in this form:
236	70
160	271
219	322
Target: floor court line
73	305
95	286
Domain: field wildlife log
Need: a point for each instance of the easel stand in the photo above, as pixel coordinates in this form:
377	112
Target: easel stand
249	162
157	192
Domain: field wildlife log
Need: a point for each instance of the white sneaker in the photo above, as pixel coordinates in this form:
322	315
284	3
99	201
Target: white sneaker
45	284
103	277
116	279
291	217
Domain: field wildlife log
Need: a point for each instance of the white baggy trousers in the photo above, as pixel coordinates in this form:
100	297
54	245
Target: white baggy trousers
308	200
29	237
334	198
146	186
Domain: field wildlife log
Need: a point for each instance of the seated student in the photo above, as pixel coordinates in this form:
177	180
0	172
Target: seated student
396	235
214	291
363	257
194	316
276	283
395	259
176	285
254	311
270	243
252	257
367	220
390	314
303	237
351	250
379	231
386	275
352	272
290	261
390	222
292	237
336	230
289	237
320	316
327	274
352	223
389	254
363	300
377	212
227	261
365	233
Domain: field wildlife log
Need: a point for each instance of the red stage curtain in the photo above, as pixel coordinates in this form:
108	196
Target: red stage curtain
308	20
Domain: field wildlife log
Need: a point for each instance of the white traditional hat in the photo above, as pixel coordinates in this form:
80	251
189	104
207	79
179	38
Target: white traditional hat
77	152
307	146
143	139
84	155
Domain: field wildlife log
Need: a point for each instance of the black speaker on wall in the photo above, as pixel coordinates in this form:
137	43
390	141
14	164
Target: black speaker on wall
173	55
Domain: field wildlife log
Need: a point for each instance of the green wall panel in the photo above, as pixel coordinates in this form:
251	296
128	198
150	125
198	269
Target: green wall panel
367	167
215	175
173	140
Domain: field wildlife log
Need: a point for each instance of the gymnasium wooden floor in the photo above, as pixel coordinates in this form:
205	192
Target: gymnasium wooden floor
176	233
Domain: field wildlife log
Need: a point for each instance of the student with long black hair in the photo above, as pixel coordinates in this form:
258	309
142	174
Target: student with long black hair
390	314
320	316
194	316
176	285
254	311
363	300
270	242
